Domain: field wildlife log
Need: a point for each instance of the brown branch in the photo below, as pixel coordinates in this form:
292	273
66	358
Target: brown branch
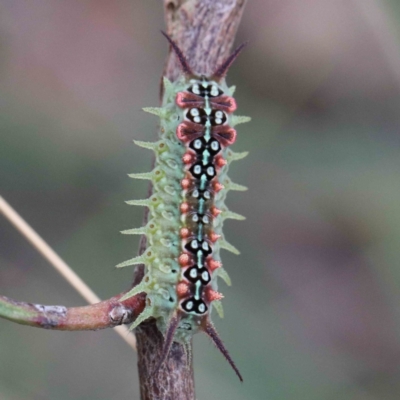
106	314
205	31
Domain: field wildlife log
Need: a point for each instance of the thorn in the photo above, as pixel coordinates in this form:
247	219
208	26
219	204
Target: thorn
145	202
142	259
147	145
135	231
219	308
232	156
156	173
145	314
239	119
234	186
232	89
182	59
224	276
223	68
159	111
227	246
210	330
168	340
167	84
232	215
140	288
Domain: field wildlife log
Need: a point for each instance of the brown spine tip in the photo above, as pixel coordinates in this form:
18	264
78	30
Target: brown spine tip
221	71
168	339
212	333
182	59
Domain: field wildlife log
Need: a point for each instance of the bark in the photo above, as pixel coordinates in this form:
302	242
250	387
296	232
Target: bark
204	30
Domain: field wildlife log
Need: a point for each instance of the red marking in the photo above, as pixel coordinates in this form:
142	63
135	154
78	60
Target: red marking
214	237
185	183
212	295
224	103
184	208
220	161
213	264
215	211
182	289
217	186
188	158
184	259
185	233
225	135
188	131
189	100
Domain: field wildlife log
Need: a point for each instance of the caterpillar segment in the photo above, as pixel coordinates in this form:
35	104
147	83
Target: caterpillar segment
187	208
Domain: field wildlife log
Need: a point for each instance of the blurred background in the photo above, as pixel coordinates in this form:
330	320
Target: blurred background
313	312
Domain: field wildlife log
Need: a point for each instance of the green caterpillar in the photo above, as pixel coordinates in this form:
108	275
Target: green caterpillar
187	209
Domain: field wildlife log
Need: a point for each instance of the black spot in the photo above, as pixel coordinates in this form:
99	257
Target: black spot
194	306
195	246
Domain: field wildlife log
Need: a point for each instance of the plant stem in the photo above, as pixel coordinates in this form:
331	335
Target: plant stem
204	30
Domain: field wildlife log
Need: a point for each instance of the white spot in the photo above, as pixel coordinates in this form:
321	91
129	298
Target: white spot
195	244
195	193
214	145
207	194
197	144
205	246
196	89
202	308
205	276
218	121
197	169
197	120
189	305
206	220
214	91
194	112
210	171
195	218
193	273
205	85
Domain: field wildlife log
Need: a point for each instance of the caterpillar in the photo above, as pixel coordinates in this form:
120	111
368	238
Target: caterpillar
186	209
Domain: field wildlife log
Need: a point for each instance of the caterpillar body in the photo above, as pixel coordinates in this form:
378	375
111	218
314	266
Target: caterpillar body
184	232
